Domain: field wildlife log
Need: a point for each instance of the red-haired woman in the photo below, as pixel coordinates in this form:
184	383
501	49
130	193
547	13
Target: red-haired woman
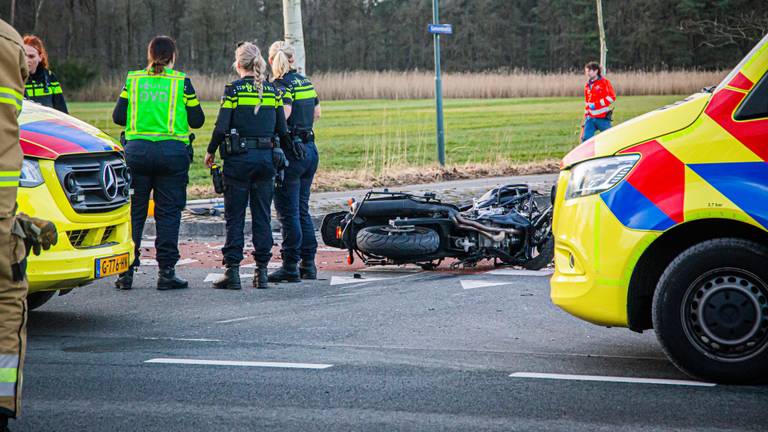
42	85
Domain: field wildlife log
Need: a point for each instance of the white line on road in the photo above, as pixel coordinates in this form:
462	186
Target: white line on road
598	378
182	339
239	363
236	320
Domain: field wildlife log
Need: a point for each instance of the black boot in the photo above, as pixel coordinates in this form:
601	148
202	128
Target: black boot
289	272
4	423
260	277
123	282
167	280
231	279
308	270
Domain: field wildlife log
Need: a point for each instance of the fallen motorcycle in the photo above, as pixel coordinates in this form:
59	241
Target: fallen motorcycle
511	225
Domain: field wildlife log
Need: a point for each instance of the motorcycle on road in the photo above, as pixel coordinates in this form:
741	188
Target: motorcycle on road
509	224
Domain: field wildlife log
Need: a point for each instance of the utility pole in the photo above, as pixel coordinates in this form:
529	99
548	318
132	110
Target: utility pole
603	47
294	32
438	86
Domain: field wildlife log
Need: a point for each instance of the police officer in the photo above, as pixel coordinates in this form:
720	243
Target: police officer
18	234
250	117
302	107
158	106
42	85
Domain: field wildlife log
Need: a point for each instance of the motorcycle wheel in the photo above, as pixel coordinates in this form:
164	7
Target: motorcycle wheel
412	244
546	253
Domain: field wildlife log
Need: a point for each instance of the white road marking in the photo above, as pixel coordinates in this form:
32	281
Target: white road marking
149	262
186	261
239	363
213	277
147	243
271	265
343	280
236	320
515	272
183	339
472	284
598	378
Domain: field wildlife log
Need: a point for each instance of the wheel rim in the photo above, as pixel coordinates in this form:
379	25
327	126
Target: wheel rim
725	314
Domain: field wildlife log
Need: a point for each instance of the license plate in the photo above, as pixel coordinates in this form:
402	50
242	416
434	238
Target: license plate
111	265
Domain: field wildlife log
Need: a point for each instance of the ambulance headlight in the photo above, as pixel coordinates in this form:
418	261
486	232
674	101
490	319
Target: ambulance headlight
30	174
598	175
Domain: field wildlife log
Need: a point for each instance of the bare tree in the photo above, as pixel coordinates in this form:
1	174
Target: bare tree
746	26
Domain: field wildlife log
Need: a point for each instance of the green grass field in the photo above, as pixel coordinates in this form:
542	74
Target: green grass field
381	136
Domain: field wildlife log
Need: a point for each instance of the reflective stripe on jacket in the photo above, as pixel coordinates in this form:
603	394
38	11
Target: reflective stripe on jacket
599	97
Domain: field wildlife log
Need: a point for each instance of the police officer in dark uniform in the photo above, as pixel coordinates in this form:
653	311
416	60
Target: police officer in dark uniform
42	85
302	107
250	117
158	106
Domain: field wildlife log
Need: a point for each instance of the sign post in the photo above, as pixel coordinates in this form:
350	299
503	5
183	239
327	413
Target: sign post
437	29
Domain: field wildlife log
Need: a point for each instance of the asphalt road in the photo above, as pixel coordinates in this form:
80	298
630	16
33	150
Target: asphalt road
396	350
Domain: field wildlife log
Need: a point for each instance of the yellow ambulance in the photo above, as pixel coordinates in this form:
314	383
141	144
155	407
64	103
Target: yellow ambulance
75	176
661	223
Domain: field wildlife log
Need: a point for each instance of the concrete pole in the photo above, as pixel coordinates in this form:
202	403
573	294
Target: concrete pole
294	32
603	47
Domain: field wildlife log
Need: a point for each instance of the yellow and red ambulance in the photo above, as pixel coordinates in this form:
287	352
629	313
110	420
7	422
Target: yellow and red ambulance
75	176
662	223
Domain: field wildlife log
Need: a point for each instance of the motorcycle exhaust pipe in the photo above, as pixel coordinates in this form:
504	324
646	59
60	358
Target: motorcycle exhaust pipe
498	237
482	227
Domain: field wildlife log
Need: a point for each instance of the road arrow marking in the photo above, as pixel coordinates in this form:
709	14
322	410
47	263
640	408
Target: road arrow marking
597	378
472	284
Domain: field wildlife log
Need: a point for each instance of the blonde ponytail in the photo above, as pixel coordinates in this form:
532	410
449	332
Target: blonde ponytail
248	57
281	55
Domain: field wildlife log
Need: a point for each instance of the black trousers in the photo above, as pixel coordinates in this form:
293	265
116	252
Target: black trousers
160	168
249	182
292	206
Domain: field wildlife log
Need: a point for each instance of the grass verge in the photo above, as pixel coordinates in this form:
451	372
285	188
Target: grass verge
380	142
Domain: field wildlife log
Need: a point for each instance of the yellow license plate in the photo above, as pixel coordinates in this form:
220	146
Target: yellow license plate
111	265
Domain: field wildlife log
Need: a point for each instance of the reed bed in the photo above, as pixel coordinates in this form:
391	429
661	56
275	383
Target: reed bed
420	85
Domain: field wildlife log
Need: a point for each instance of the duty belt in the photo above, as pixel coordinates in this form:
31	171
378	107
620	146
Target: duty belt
259	143
305	135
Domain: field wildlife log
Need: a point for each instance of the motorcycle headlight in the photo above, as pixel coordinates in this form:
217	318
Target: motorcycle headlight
598	175
30	174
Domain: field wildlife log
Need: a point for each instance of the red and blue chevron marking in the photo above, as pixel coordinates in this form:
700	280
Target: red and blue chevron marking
62	137
651	197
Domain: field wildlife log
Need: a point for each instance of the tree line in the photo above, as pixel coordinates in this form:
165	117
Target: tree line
110	36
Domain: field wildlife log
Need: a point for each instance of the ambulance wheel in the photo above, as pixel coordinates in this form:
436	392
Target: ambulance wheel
710	311
37	299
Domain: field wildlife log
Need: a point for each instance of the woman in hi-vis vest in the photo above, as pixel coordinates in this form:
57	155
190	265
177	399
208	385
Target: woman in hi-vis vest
158	106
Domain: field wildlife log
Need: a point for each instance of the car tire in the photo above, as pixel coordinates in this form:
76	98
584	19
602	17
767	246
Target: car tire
37	299
414	244
710	311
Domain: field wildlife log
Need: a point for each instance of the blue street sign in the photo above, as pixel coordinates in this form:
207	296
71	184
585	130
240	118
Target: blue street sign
441	29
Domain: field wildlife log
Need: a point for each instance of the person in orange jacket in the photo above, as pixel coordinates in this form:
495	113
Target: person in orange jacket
599	97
